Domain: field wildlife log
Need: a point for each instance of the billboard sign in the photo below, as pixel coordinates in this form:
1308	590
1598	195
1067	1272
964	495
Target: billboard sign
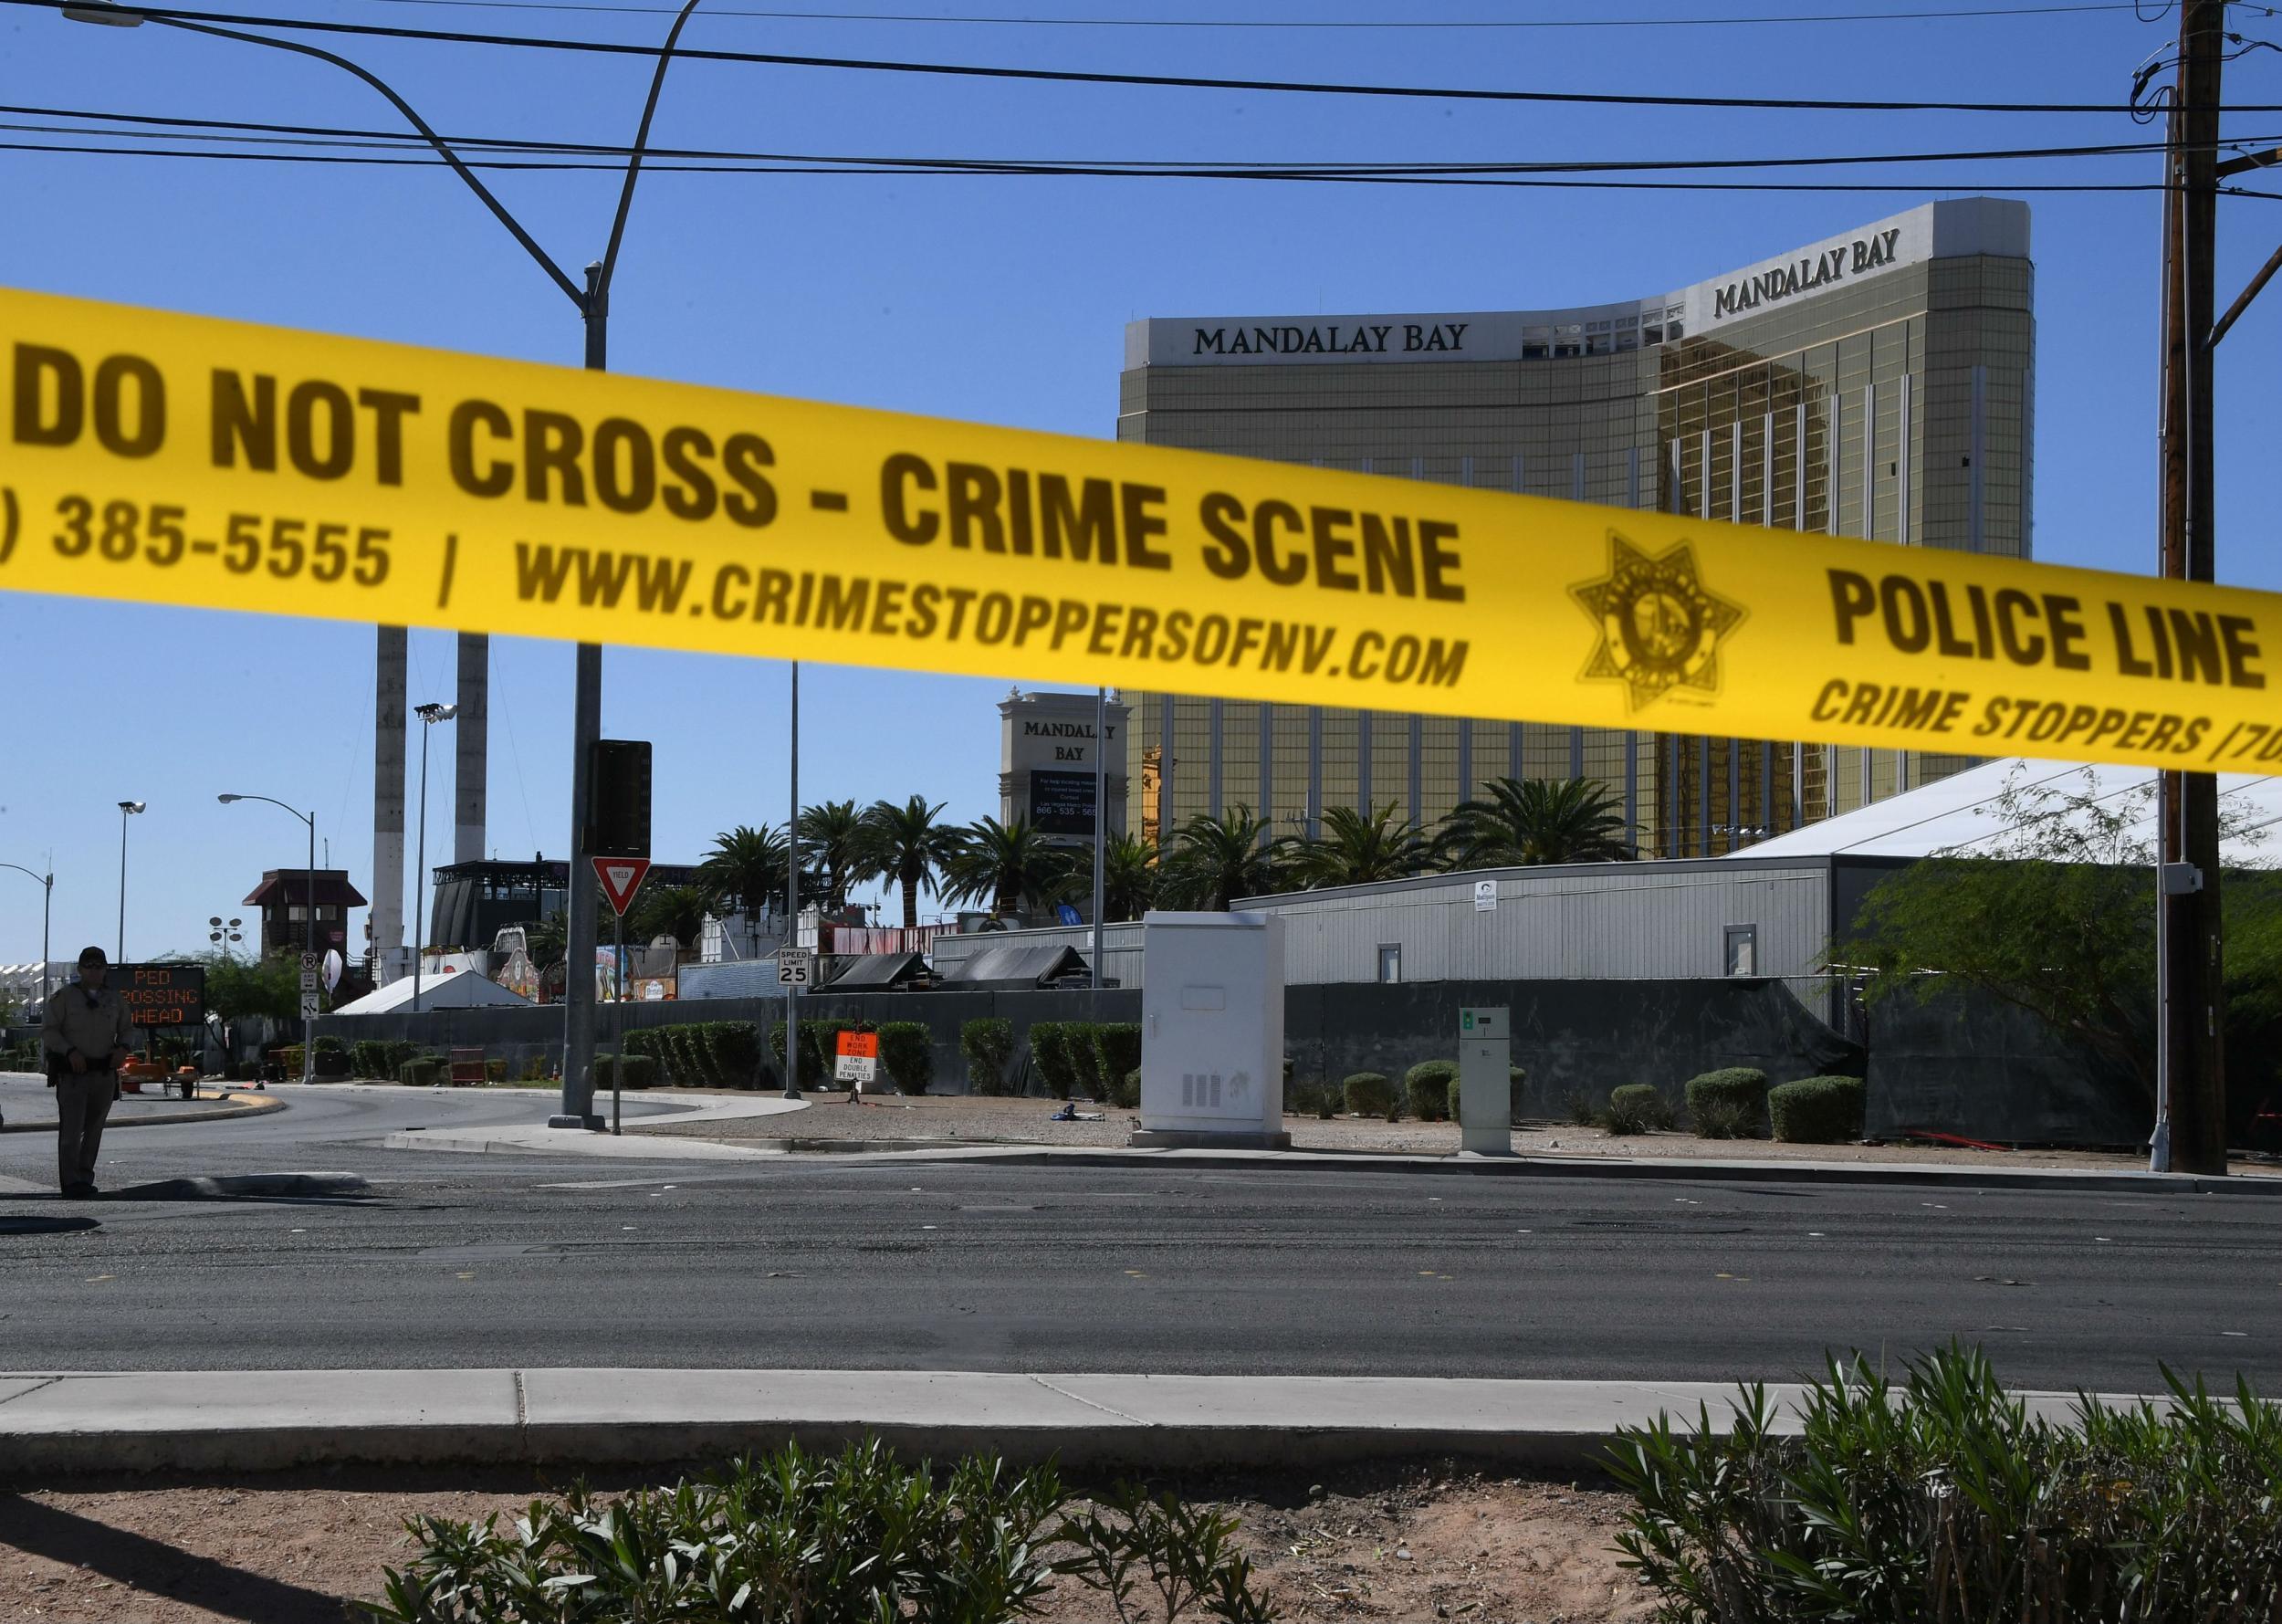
163	995
1061	803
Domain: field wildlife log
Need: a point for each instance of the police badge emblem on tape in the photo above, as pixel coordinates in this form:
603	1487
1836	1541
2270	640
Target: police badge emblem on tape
1659	628
153	458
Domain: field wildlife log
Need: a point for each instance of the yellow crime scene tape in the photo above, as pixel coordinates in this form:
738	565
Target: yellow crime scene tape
173	459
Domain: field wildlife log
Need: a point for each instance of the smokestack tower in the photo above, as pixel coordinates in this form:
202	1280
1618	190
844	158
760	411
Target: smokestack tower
472	753
388	803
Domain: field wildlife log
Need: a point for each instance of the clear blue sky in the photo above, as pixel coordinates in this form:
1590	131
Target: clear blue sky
999	300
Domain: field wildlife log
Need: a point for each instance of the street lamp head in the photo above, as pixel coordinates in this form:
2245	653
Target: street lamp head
104	14
433	712
225	799
131	806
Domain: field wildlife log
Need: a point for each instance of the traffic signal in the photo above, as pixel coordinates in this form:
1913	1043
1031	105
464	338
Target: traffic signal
618	825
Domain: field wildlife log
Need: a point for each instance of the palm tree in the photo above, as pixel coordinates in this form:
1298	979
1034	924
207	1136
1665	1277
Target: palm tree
905	844
1519	824
1131	877
831	840
679	911
1005	866
1216	860
1355	849
748	863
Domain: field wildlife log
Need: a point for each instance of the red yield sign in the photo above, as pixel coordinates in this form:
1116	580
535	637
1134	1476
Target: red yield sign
621	878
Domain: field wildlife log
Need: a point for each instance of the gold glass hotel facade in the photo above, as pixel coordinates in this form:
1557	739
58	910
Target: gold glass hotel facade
1879	383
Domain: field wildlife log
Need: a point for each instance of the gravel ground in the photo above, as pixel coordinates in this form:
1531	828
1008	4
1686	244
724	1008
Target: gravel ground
966	1117
1424	1542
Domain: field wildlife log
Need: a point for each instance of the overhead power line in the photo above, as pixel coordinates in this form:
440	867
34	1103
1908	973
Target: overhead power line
1298	24
247	130
548	162
1141	80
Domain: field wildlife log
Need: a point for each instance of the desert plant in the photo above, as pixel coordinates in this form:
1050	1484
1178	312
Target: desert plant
1116	1050
1635	1108
1428	1087
733	1052
1581	1109
494	1071
1817	1110
1941	1497
629	1071
1303	1099
1719	1096
1126	1095
986	1044
1186	1555
1049	1053
907	1054
423	1073
1367	1094
1644	1102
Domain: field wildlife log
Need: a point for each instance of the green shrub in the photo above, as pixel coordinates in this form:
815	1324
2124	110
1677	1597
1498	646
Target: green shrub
1636	1108
826	1539
1428	1087
632	1071
1942	1497
1733	1101
1302	1099
287	1055
1581	1110
1367	1094
494	1071
1050	1055
820	1038
987	1044
1515	1078
534	1068
1126	1095
907	1054
424	1073
734	1048
1117	1051
1817	1110
328	1044
1085	1060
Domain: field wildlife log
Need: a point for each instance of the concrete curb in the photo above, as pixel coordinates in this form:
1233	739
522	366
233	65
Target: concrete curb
534	1139
249	1105
1547	1167
62	1424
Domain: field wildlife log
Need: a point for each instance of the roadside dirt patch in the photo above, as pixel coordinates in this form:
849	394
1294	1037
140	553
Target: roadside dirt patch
1419	1542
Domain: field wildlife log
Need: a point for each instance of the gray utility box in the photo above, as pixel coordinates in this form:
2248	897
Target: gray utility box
1485	1095
1212	1030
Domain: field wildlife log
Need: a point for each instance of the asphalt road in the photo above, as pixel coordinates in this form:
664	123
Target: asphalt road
457	1260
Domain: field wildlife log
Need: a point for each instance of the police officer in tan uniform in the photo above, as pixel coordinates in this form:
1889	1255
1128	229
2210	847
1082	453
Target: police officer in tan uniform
86	1034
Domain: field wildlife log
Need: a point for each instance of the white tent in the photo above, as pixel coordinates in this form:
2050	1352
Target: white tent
1961	813
462	990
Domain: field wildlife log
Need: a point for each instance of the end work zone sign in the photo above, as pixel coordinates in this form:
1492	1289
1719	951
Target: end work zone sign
181	460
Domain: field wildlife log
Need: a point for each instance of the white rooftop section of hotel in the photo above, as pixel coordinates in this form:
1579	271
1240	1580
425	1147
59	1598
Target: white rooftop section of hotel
1951	228
462	990
1959	813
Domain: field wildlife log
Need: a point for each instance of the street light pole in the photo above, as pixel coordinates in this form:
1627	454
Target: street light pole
46	901
1100	829
792	907
593	306
309	934
430	715
127	809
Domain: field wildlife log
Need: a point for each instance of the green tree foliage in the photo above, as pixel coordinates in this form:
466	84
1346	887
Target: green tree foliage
240	987
679	911
1216	860
1520	824
905	846
1006	867
832	845
1355	848
1131	877
747	866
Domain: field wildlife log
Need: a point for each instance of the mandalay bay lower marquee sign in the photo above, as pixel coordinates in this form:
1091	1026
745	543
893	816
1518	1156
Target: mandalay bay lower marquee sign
170	459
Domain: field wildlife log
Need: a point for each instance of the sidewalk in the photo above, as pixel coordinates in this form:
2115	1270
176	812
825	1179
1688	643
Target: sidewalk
29	1106
537	1138
53	1424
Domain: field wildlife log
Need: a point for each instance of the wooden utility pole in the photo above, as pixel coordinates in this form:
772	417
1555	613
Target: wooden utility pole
2190	1000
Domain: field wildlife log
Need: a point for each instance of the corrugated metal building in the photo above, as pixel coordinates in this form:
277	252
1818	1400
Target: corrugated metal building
1672	920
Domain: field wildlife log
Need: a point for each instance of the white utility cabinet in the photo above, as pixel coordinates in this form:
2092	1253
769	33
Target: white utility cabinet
1485	1090
1212	1030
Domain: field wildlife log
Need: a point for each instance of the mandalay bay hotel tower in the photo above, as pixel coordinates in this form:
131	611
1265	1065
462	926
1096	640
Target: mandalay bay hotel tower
1877	384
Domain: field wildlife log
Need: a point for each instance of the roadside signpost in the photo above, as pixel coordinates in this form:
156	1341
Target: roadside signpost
620	878
856	1060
